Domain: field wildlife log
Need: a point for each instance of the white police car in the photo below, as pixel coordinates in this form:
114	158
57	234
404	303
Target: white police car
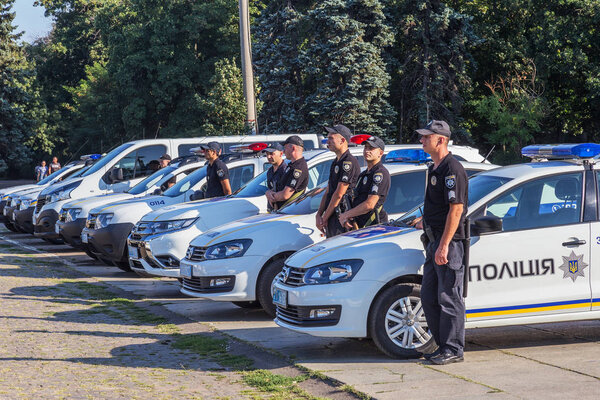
161	238
534	231
238	261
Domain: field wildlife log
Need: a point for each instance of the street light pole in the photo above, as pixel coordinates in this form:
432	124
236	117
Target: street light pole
247	74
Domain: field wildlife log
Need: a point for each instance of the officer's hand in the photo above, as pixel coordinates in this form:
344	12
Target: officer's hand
441	255
344	221
319	221
417	222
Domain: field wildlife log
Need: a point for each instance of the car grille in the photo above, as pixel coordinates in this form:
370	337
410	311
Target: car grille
202	285
90	223
62	217
137	264
41	202
137	233
196	253
293	276
299	315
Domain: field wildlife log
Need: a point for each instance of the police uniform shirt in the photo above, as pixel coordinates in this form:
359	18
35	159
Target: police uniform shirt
295	176
274	176
375	181
447	184
215	173
344	170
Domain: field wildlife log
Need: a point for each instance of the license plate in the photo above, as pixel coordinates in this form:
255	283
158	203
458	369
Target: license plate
56	228
84	238
280	297
185	270
133	252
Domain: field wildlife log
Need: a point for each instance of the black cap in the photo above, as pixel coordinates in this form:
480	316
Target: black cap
340	130
375	142
437	127
165	157
294	139
211	146
274	147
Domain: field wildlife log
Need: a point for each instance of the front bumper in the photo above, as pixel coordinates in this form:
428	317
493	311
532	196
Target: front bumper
353	298
71	231
244	271
2	205
110	242
23	218
142	259
8	213
44	225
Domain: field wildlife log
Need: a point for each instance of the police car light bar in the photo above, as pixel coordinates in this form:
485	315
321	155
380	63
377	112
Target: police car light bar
248	148
408	156
561	151
358	139
86	157
196	150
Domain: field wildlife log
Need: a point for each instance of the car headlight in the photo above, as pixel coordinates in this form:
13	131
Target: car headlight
231	249
72	214
52	198
333	272
166	226
25	204
102	220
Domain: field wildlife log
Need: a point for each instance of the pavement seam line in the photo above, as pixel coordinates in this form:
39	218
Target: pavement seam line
562	334
508	353
494	389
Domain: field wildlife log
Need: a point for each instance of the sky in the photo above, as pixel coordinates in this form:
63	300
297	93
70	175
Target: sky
31	20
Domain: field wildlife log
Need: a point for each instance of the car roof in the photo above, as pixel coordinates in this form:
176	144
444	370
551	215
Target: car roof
533	169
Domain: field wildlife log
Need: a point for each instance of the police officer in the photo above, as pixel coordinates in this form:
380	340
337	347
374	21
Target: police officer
295	175
443	220
275	172
164	160
343	175
371	189
217	174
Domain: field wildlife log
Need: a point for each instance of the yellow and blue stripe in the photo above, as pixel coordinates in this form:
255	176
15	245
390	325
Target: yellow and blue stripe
532	308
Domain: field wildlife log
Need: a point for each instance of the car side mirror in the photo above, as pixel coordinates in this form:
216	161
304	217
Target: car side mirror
197	195
116	175
486	225
157	192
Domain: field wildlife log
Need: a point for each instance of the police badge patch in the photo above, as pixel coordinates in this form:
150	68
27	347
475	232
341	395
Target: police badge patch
433	180
365	180
297	173
337	169
347	165
573	266
450	181
220	172
293	182
378	177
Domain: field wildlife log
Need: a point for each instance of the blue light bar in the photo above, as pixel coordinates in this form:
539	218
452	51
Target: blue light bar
407	155
561	151
86	157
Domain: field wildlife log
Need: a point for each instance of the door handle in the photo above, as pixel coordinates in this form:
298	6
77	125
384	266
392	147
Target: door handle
575	242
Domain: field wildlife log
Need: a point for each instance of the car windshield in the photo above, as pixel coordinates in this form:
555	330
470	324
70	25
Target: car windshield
256	187
479	186
151	180
186	183
51	177
108	158
308	203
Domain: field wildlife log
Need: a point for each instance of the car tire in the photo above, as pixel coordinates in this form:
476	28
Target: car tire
265	283
89	253
10	227
397	323
123	265
55	241
106	261
247	304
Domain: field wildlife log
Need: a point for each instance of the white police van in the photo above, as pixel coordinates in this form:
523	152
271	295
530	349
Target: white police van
72	216
238	261
121	169
108	226
534	231
161	238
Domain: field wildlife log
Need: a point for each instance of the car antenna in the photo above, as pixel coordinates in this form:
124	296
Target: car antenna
488	154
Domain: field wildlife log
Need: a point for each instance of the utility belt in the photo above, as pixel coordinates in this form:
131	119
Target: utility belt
290	200
346	204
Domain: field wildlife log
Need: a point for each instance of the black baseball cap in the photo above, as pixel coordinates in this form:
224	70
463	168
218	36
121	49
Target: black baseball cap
375	142
294	139
165	157
274	147
211	146
437	127
340	130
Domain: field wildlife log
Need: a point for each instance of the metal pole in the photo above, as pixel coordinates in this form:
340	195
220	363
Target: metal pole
247	74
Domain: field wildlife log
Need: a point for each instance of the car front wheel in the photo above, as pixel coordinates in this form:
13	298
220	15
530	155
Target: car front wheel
397	323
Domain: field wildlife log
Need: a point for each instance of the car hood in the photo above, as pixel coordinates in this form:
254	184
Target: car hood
13	189
96	201
356	244
132	210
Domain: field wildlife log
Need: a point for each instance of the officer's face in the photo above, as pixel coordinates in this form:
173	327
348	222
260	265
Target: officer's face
164	163
274	157
334	141
372	153
431	142
288	150
210	154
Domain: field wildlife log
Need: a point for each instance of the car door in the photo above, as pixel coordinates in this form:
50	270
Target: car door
539	263
135	166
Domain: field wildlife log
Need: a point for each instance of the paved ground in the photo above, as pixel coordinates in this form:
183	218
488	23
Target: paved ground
529	362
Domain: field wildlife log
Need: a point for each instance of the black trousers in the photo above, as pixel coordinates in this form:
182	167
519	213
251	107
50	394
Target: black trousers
441	297
334	227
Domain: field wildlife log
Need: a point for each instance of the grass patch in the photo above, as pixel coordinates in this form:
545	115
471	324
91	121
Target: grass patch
278	387
214	349
168	329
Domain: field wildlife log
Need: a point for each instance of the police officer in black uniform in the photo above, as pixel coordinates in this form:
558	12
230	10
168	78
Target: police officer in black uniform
275	172
217	174
295	176
445	207
343	175
371	189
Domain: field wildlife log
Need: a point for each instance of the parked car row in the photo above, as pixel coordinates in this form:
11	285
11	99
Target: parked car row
528	222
